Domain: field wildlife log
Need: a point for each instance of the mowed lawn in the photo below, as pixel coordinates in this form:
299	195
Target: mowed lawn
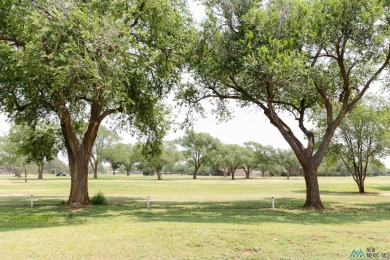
207	218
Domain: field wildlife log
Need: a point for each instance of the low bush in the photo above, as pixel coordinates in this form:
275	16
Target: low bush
99	199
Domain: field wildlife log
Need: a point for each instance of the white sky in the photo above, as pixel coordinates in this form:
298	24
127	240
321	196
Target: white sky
247	124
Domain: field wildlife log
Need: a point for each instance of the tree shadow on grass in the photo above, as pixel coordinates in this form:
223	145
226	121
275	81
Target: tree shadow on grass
258	212
341	193
254	212
382	188
16	213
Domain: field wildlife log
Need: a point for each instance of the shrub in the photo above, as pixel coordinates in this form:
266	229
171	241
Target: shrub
99	199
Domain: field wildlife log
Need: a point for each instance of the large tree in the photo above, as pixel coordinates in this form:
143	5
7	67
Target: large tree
364	138
291	57
82	61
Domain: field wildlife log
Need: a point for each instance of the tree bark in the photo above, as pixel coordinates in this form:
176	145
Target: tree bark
95	172
361	188
247	175
79	183
94	163
78	157
313	199
40	170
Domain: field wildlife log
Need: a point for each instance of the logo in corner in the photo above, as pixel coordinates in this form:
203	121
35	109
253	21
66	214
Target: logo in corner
357	254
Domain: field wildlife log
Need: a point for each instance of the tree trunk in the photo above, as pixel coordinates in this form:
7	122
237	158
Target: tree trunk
247	175
359	180
159	175
40	170
195	172
78	159
313	199
232	175
79	151
79	183
95	169
94	164
361	188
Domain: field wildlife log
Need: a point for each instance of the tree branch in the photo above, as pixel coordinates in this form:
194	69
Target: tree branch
370	80
137	13
17	42
109	112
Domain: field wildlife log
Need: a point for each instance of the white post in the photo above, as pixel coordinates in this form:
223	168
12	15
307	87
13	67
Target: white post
32	201
273	203
148	203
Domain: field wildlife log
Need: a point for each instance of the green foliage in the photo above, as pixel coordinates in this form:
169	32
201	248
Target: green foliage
82	61
363	139
199	148
56	165
228	157
165	161
24	145
290	163
292	57
309	60
99	199
122	154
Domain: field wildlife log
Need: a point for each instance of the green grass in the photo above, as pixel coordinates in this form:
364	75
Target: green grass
208	218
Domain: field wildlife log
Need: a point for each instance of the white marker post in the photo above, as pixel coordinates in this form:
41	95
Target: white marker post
32	201
273	203
148	203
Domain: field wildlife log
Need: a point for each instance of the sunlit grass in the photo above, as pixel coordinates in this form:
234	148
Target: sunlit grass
208	218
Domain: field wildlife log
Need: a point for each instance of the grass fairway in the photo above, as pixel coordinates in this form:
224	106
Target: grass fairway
208	218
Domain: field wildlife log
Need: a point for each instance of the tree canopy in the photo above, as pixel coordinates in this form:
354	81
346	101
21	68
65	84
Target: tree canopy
293	57
79	61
